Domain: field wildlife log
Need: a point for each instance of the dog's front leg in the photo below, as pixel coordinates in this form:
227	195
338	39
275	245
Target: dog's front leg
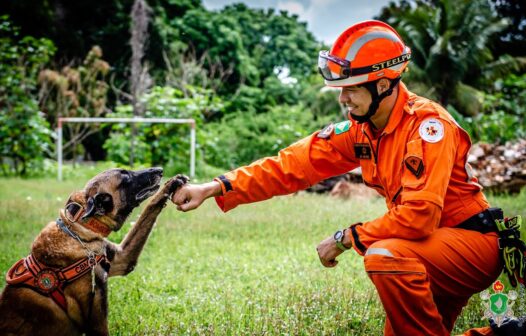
124	257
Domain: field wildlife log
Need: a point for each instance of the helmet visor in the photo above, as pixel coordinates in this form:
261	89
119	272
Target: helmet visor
332	67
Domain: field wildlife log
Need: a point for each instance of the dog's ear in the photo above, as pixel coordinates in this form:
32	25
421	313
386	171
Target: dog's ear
99	204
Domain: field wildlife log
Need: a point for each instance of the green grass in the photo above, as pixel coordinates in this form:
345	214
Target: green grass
251	271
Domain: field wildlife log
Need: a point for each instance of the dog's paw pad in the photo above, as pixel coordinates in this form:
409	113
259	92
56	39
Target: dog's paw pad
176	182
182	179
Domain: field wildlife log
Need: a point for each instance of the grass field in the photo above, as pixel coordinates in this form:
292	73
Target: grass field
252	271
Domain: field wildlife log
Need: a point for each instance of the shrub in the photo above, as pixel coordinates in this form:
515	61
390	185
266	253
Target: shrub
75	91
162	144
503	117
25	137
241	138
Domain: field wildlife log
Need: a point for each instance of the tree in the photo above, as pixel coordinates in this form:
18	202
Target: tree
451	42
276	40
220	37
139	77
186	71
75	92
257	43
76	26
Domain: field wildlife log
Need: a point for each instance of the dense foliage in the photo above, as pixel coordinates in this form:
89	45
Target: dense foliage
503	116
244	136
162	144
24	132
248	76
239	138
75	91
451	47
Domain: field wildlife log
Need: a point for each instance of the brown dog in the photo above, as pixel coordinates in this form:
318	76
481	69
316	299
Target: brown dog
61	287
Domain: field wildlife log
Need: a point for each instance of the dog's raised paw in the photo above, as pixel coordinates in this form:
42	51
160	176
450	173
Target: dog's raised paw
176	182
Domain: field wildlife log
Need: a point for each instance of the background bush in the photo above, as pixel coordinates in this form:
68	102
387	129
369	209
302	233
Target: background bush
503	116
25	136
243	137
166	145
248	76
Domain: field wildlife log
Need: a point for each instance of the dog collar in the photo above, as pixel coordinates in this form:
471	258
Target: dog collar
73	213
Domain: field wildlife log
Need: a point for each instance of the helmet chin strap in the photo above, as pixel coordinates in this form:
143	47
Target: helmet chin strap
376	99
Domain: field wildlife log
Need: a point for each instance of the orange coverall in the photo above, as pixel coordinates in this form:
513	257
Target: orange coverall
424	269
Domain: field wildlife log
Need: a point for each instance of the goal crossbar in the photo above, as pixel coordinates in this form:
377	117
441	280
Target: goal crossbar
61	121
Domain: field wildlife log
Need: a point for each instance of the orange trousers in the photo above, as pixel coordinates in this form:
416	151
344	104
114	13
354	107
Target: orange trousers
424	284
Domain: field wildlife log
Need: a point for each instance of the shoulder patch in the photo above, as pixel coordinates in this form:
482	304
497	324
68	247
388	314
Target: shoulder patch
342	127
325	133
431	130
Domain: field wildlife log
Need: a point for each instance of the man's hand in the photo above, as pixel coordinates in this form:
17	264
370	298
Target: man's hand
191	196
328	251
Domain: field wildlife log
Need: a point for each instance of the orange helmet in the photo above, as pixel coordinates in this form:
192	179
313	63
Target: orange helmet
365	52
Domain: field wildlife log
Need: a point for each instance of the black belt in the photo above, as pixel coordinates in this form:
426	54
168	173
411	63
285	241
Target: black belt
483	222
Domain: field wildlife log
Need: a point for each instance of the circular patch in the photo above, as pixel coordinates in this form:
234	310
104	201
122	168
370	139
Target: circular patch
431	130
47	280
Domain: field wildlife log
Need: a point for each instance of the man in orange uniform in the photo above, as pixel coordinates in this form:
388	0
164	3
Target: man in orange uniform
436	246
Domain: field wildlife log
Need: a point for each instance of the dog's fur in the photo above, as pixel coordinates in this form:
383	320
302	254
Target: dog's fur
110	196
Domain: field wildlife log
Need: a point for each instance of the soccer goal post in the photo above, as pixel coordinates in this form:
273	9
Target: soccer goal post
62	121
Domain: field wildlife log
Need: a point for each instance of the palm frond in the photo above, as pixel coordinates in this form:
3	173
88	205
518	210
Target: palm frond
467	99
504	65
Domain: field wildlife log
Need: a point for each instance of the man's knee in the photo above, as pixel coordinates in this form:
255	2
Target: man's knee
391	255
388	247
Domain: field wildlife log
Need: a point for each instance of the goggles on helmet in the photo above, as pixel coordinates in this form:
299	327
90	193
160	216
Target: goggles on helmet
334	68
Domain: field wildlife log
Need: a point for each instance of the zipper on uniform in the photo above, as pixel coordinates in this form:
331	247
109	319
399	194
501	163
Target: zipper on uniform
375	152
396	195
375	155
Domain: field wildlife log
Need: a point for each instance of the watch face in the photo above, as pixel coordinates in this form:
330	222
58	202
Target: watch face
338	235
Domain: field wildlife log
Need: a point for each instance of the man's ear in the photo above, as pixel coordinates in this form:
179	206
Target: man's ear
100	204
383	85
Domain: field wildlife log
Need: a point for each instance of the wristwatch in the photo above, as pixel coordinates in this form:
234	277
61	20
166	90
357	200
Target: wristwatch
338	238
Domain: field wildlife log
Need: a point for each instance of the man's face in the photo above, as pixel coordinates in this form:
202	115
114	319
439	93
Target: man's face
355	99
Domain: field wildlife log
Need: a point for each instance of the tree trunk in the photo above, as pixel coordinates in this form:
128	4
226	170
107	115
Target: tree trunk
139	78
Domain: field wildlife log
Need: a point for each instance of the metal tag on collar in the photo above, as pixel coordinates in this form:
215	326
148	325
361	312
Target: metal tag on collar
64	228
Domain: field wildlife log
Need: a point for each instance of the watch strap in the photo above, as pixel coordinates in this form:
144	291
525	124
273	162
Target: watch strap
339	242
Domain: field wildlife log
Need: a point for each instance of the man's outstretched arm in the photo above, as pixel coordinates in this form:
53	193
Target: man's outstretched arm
295	168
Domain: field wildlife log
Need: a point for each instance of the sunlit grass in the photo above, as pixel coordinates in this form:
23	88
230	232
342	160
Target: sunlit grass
251	271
